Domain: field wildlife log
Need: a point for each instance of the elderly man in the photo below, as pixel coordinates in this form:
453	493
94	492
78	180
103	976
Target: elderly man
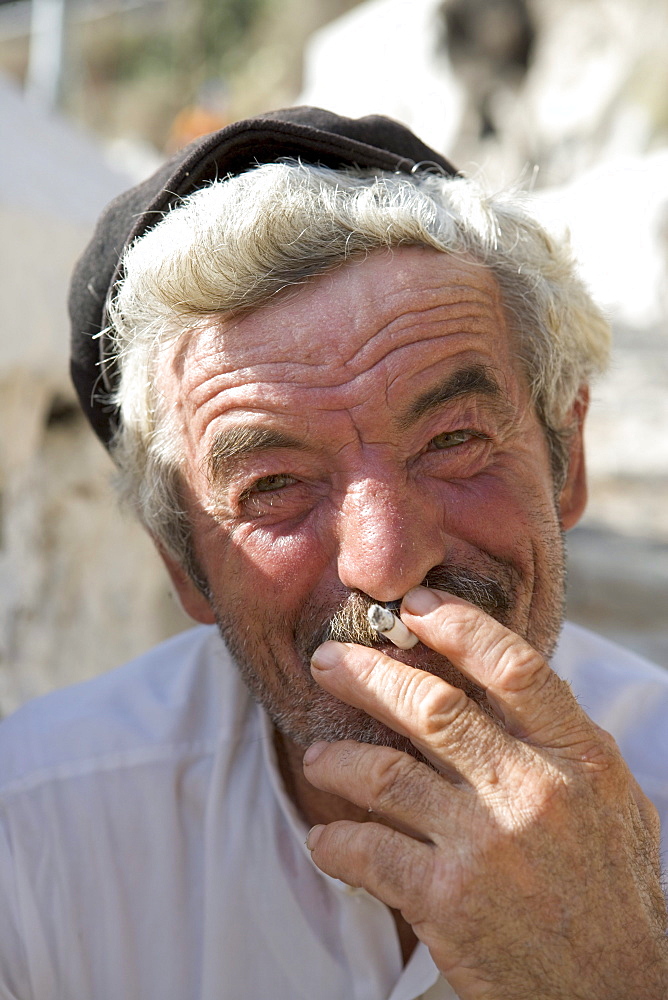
332	374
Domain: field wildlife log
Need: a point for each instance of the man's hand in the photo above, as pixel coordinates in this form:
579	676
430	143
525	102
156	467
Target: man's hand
528	860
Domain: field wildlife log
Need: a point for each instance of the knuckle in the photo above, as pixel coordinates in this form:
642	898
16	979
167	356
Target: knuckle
440	706
396	779
406	872
521	667
593	751
592	778
603	755
605	736
429	702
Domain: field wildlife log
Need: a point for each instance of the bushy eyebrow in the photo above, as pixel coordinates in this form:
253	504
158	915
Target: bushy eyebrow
476	380
237	442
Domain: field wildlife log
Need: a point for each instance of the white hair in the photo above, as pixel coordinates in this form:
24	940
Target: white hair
234	244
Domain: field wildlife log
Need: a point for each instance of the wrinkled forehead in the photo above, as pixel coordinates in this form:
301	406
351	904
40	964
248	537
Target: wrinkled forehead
410	299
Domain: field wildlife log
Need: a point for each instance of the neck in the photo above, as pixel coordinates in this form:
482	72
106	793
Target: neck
317	806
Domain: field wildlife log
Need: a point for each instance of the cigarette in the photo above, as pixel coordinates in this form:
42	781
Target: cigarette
391	627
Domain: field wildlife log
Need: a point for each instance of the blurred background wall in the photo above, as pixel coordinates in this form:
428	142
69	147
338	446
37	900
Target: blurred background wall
567	98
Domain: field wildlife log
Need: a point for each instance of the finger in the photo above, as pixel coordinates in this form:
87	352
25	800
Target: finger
438	718
532	700
391	866
389	783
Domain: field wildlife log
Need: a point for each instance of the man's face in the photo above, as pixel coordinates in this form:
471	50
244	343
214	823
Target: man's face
370	427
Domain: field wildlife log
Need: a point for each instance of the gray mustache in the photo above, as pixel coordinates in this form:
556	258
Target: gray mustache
350	623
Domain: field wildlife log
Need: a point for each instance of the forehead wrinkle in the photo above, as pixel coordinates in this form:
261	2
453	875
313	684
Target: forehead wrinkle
418	326
466	316
235	443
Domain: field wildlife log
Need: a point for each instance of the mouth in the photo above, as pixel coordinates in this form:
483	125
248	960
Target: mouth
495	593
421	657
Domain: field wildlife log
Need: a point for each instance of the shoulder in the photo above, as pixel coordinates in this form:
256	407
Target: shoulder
602	669
178	694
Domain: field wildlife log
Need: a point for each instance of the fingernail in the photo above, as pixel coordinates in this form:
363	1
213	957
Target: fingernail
420	601
327	656
313	836
314	751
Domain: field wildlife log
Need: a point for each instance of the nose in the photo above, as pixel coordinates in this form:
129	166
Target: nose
388	539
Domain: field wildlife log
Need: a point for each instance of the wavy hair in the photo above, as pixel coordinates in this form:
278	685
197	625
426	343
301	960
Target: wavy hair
233	245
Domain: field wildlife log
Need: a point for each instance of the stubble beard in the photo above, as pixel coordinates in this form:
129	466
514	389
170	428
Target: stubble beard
304	713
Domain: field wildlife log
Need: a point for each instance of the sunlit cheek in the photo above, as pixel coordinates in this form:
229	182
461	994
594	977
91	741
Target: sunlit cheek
491	512
286	564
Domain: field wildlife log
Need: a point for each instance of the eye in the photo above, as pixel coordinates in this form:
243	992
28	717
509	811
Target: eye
275	499
450	439
269	483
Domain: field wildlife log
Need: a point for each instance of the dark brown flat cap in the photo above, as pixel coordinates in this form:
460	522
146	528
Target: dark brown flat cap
314	135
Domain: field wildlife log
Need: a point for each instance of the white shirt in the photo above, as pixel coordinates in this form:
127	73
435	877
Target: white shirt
149	852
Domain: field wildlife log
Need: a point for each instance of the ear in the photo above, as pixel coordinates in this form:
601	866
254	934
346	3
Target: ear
193	601
573	496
